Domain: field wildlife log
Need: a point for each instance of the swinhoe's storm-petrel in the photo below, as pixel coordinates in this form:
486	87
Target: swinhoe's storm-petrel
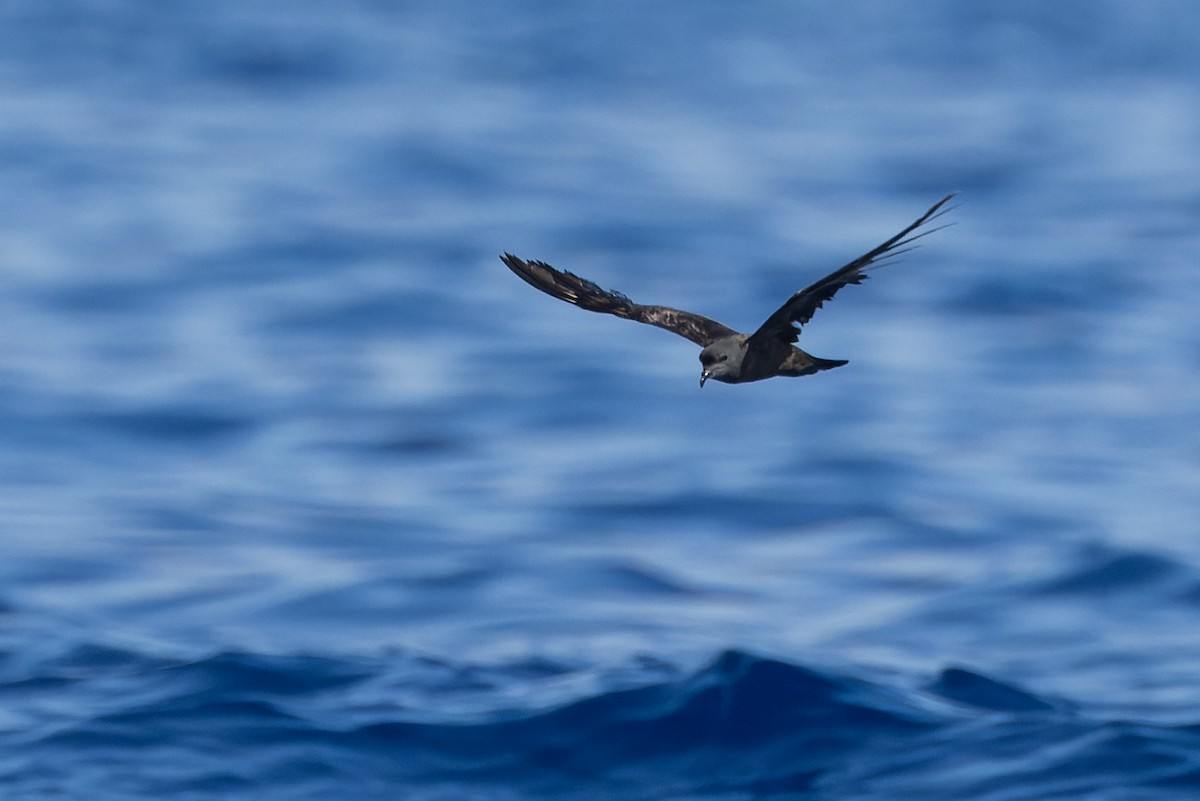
729	356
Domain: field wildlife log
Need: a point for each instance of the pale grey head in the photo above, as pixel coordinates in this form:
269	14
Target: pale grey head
722	360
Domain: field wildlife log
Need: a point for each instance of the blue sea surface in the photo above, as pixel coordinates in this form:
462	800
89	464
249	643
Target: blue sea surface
303	495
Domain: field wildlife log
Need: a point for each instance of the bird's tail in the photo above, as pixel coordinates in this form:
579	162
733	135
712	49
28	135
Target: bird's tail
801	363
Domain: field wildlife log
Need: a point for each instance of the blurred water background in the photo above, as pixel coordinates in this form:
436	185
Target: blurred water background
303	495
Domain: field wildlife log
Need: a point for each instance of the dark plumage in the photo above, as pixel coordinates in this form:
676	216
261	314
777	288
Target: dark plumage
727	355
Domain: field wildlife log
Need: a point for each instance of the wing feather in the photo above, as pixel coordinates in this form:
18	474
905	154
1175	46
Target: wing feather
801	306
586	295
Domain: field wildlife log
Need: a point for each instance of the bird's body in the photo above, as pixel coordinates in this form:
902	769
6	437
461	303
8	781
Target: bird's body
729	356
732	360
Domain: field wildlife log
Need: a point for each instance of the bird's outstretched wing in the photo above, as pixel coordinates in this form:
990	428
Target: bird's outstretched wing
801	306
586	295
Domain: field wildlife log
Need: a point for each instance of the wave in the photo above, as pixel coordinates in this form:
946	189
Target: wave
742	726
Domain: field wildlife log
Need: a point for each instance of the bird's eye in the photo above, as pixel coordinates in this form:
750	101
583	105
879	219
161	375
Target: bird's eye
724	357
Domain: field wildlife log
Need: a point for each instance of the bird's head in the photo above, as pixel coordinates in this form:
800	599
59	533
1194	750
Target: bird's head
722	360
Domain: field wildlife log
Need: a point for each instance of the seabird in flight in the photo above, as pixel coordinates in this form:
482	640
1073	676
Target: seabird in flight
729	356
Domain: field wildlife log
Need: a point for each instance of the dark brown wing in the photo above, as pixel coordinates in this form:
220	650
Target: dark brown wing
801	306
586	295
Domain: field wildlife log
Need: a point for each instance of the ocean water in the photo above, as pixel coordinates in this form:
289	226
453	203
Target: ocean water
303	495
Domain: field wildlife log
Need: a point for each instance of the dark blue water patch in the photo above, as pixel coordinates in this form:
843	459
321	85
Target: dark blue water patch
309	248
425	597
34	678
173	424
235	675
420	445
400	312
273	59
166	518
870	471
746	512
974	172
624	238
617	579
332	528
454	580
88	659
1109	572
115	297
967	687
1075	46
403	433
422	163
391	312
1190	594
25	688
1064	291
152	48
641	579
1013	297
63	569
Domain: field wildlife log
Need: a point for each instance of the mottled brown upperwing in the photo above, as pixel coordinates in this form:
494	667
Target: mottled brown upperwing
801	306
586	295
